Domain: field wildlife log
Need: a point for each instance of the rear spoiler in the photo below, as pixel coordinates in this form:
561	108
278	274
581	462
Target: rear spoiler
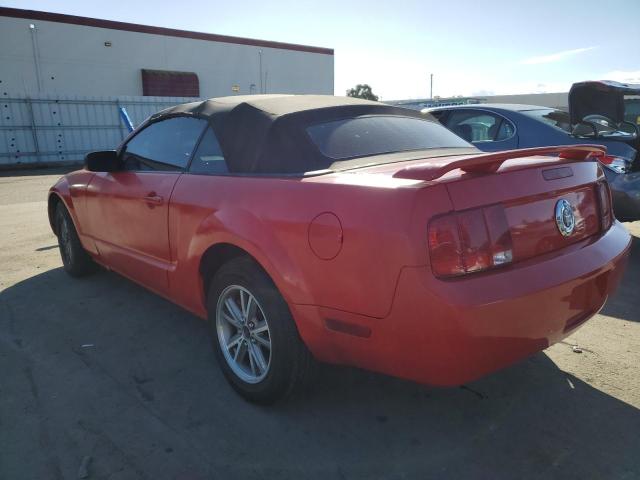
490	162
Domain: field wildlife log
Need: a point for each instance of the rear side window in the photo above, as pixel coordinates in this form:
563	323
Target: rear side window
375	135
208	157
480	126
165	145
505	131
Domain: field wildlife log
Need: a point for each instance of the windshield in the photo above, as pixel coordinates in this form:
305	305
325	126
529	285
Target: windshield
374	135
556	118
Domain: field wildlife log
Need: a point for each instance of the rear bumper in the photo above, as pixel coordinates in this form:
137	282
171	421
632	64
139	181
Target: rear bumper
451	332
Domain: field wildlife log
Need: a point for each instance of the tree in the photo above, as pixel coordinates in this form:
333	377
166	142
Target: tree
362	91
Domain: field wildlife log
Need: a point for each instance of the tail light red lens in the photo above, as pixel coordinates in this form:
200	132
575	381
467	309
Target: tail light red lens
470	241
476	254
500	235
444	244
604	197
618	164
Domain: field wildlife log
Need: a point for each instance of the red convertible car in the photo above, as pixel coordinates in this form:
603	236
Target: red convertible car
347	231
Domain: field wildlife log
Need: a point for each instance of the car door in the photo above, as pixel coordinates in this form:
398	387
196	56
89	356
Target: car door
486	130
128	209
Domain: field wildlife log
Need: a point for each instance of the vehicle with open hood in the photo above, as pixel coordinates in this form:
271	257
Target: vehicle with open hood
611	108
346	231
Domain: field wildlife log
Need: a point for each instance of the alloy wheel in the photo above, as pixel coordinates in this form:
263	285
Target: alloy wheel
243	333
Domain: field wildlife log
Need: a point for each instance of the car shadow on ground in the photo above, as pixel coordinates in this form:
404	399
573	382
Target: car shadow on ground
625	303
99	367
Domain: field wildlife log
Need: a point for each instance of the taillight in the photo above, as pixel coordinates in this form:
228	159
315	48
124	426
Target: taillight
604	200
444	244
617	164
469	241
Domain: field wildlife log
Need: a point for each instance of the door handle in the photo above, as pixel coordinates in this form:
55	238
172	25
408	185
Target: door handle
154	199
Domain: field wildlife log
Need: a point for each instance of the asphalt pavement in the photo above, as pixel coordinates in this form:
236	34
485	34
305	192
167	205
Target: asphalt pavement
102	377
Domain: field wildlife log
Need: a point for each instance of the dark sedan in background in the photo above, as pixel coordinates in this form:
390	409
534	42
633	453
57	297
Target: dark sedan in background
496	127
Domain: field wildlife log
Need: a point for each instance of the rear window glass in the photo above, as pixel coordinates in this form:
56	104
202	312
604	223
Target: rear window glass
555	118
375	135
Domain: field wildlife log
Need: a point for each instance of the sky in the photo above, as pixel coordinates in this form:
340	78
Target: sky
472	48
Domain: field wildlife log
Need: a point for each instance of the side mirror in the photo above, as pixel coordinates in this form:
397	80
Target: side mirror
103	161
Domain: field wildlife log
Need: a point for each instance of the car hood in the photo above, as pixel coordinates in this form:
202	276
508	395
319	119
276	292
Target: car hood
603	97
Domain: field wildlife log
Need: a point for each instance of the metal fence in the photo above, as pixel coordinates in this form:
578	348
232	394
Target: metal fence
54	129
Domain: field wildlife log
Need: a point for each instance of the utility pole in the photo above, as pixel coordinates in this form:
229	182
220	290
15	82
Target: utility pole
261	81
431	89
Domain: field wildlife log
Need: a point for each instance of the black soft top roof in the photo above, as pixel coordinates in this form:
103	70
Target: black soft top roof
275	105
267	133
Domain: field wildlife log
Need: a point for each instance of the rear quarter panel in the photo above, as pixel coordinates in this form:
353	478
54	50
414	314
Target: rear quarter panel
270	218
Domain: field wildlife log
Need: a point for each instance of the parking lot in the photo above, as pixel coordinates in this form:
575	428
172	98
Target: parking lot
101	368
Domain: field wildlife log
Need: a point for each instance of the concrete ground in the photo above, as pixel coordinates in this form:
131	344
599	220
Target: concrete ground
101	368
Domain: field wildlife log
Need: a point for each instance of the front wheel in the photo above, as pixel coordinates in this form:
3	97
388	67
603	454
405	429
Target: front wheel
253	333
75	260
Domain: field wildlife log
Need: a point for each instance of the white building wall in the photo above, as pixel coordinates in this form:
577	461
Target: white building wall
73	60
552	100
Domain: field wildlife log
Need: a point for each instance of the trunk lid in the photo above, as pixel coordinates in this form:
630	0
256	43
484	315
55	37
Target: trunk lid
531	188
530	198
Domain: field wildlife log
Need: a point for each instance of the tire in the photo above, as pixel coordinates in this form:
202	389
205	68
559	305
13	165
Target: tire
75	260
286	362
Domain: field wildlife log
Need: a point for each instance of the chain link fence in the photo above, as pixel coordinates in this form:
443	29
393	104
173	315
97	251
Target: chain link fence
49	130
